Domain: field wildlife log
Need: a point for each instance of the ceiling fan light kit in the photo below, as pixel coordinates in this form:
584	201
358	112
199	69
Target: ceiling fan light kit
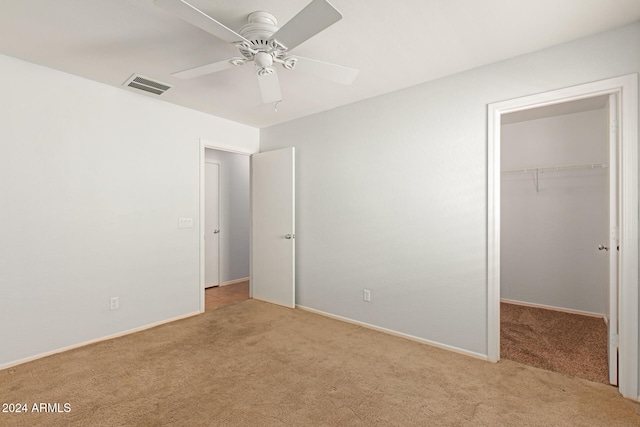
262	42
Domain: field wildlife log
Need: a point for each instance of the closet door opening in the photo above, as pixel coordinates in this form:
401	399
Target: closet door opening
558	265
625	342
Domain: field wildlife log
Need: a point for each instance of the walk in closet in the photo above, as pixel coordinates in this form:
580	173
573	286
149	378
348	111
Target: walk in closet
555	207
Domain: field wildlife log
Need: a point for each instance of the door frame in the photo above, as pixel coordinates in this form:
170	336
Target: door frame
204	144
613	142
626	88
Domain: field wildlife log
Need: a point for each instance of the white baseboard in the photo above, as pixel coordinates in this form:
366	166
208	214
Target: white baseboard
97	340
233	282
230	282
397	334
550	307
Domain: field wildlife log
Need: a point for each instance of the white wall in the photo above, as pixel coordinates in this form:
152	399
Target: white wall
93	182
234	213
392	193
550	237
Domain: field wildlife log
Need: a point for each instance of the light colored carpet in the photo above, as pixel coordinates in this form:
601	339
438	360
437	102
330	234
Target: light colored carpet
256	364
563	342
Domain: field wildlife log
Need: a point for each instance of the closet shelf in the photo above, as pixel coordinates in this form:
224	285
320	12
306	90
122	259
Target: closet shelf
537	171
557	168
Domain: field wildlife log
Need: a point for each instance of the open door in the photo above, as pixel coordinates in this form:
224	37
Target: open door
273	226
614	222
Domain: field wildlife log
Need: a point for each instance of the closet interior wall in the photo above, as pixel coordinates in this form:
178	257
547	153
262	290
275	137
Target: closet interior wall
553	221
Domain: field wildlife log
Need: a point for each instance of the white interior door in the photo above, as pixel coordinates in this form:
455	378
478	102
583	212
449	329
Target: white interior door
211	224
614	198
273	226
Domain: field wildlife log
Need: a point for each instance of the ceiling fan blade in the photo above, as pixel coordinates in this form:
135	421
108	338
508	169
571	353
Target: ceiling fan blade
318	15
204	69
325	70
269	87
185	11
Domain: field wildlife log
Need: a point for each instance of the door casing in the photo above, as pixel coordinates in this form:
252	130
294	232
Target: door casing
626	89
614	221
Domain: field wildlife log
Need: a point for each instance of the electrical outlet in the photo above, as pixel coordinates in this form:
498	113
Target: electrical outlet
366	295
114	303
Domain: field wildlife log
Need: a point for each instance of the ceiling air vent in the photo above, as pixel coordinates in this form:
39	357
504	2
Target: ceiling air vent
146	84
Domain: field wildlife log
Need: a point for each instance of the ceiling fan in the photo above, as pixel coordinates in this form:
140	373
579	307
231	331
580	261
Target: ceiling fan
262	42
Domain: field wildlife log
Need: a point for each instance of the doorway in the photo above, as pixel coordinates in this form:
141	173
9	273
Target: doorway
270	179
555	215
626	89
224	225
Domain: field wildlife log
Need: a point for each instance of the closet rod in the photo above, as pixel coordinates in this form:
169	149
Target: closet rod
557	168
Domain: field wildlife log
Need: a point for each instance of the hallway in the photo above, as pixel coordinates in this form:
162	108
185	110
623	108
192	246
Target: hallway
219	296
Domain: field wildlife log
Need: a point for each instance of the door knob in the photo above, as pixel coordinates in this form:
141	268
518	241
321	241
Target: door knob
216	231
603	247
290	236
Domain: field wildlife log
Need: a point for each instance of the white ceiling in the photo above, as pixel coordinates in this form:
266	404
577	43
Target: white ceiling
394	44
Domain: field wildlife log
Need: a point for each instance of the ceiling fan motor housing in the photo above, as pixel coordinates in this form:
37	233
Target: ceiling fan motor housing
261	26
